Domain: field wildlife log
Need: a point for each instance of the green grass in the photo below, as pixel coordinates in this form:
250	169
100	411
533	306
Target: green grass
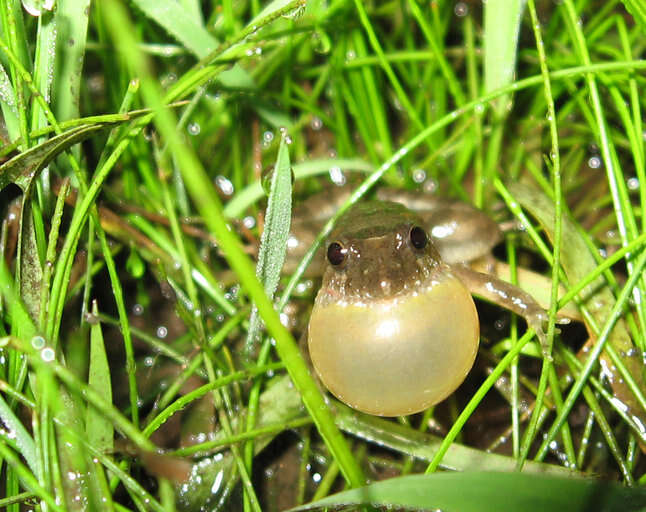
130	304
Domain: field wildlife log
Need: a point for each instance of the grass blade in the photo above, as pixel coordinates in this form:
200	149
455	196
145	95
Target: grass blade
468	492
100	432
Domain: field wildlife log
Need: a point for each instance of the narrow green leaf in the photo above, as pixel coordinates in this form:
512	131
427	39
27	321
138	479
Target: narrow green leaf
273	241
501	27
181	24
72	18
99	429
29	272
637	9
23	441
23	168
44	63
8	104
477	491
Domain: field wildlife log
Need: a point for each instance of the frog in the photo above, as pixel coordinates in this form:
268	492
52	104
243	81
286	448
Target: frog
394	328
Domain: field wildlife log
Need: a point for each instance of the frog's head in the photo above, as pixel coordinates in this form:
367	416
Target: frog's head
377	251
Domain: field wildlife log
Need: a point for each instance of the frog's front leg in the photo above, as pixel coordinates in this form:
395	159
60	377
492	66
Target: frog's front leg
508	296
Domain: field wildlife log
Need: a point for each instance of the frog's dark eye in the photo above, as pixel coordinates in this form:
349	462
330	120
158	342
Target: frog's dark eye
336	253
418	237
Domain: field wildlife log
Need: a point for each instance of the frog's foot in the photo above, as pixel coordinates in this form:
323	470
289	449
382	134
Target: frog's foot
508	296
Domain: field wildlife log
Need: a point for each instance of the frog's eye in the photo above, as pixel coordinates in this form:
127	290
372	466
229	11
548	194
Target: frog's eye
336	253
418	237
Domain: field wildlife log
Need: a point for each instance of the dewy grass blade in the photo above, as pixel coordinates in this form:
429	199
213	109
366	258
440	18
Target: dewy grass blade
99	429
201	190
271	256
556	254
182	24
273	241
72	19
501	27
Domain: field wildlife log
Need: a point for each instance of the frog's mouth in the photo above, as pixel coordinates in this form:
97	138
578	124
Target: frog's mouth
385	281
398	356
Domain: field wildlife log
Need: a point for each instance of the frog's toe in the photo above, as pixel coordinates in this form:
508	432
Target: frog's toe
537	322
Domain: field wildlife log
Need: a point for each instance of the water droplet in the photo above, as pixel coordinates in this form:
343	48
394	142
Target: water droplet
47	354
321	42
162	331
633	183
337	176
267	138
419	175
137	310
430	186
193	128
461	9
225	185
594	162
36	7
38	342
249	222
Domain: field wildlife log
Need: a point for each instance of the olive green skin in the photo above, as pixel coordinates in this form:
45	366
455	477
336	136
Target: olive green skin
392	331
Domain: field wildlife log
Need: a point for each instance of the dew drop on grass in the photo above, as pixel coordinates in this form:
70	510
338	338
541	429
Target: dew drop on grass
47	354
337	176
36	7
38	342
225	185
249	222
461	9
419	175
594	162
193	128
6	91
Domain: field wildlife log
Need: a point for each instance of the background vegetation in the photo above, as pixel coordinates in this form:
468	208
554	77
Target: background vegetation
134	142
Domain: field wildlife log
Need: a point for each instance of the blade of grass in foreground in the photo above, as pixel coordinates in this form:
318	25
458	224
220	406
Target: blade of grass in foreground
468	492
271	256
